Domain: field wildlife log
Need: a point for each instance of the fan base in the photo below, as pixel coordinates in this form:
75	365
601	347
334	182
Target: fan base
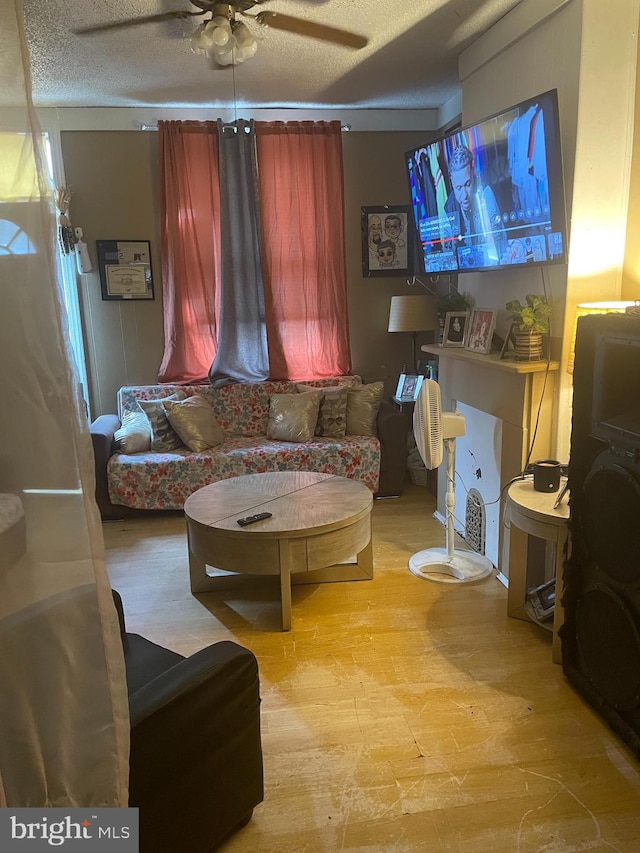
435	564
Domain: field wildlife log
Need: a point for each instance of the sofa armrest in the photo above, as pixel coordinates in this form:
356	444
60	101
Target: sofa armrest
393	429
196	749
102	431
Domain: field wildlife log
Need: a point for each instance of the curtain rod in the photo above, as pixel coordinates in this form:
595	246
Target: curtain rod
343	127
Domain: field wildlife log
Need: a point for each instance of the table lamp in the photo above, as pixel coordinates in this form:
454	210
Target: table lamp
413	314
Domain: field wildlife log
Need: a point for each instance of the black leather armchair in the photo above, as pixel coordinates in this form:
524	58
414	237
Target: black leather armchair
196	755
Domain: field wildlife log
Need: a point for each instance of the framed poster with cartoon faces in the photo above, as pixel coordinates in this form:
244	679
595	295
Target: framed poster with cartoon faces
387	240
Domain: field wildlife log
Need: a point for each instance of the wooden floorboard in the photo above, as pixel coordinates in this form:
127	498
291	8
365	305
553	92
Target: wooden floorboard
398	714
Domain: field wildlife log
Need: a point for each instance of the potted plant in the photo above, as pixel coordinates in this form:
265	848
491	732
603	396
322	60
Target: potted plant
530	323
451	301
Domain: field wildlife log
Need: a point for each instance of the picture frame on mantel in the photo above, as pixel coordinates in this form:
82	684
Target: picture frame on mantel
125	269
455	328
387	240
481	327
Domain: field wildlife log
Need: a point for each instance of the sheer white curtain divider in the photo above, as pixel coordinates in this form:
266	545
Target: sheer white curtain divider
64	724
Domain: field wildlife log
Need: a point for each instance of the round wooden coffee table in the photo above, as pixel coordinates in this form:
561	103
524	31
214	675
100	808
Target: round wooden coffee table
320	530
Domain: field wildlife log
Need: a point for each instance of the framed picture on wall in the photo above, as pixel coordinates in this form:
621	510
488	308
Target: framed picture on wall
387	240
125	269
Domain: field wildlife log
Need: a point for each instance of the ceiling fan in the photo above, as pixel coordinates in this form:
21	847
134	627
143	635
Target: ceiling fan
225	38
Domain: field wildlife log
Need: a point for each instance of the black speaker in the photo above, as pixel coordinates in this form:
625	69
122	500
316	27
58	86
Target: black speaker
600	638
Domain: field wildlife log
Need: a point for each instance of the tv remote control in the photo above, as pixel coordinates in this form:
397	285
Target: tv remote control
251	519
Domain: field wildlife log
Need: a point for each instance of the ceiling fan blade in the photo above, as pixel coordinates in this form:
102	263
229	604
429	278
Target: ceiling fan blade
312	30
133	22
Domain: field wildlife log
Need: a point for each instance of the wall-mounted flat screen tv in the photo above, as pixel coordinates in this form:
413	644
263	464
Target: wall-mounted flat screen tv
491	195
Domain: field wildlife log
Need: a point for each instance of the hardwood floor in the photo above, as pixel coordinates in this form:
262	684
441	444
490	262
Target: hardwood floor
398	714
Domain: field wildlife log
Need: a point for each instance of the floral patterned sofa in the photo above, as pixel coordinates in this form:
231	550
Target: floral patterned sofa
153	480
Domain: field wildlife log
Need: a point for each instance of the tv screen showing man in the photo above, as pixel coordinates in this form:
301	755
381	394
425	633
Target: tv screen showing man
491	195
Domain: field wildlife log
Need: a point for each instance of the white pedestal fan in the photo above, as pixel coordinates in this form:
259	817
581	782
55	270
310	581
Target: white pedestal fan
435	432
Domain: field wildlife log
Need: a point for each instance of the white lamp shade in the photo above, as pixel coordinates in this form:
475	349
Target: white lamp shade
413	314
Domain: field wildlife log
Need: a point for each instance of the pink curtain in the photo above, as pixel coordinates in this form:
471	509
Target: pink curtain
301	203
302	212
190	227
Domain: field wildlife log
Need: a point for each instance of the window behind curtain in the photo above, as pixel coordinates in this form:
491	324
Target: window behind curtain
18	186
302	218
190	227
302	209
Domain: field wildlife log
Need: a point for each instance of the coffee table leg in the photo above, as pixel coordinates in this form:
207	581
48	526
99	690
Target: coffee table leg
285	583
365	559
198	574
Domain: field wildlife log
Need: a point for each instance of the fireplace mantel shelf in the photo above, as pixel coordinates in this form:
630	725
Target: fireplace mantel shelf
491	361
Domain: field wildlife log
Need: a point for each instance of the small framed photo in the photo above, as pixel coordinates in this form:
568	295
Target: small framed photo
455	328
481	326
409	385
508	339
387	237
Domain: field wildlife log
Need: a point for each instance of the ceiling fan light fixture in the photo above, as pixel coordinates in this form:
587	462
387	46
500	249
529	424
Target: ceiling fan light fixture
226	49
242	33
223	58
219	31
249	49
247	46
224	40
198	40
218	21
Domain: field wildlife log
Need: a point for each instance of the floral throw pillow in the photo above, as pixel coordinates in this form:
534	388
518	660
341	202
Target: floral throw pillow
163	435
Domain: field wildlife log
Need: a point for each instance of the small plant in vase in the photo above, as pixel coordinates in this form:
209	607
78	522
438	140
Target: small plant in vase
530	323
452	301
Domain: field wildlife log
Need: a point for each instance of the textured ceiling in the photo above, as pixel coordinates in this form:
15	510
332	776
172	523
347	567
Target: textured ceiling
409	63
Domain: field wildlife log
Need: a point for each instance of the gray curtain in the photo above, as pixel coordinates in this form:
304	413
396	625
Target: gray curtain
242	353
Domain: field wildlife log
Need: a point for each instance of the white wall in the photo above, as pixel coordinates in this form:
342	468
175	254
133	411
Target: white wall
517	60
602	171
586	50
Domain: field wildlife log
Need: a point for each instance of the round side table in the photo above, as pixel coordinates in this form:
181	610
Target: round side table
531	513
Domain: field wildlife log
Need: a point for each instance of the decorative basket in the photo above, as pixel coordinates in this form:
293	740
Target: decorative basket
418	475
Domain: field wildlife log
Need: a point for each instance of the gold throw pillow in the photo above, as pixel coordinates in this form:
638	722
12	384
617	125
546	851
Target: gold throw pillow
194	421
362	408
293	417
